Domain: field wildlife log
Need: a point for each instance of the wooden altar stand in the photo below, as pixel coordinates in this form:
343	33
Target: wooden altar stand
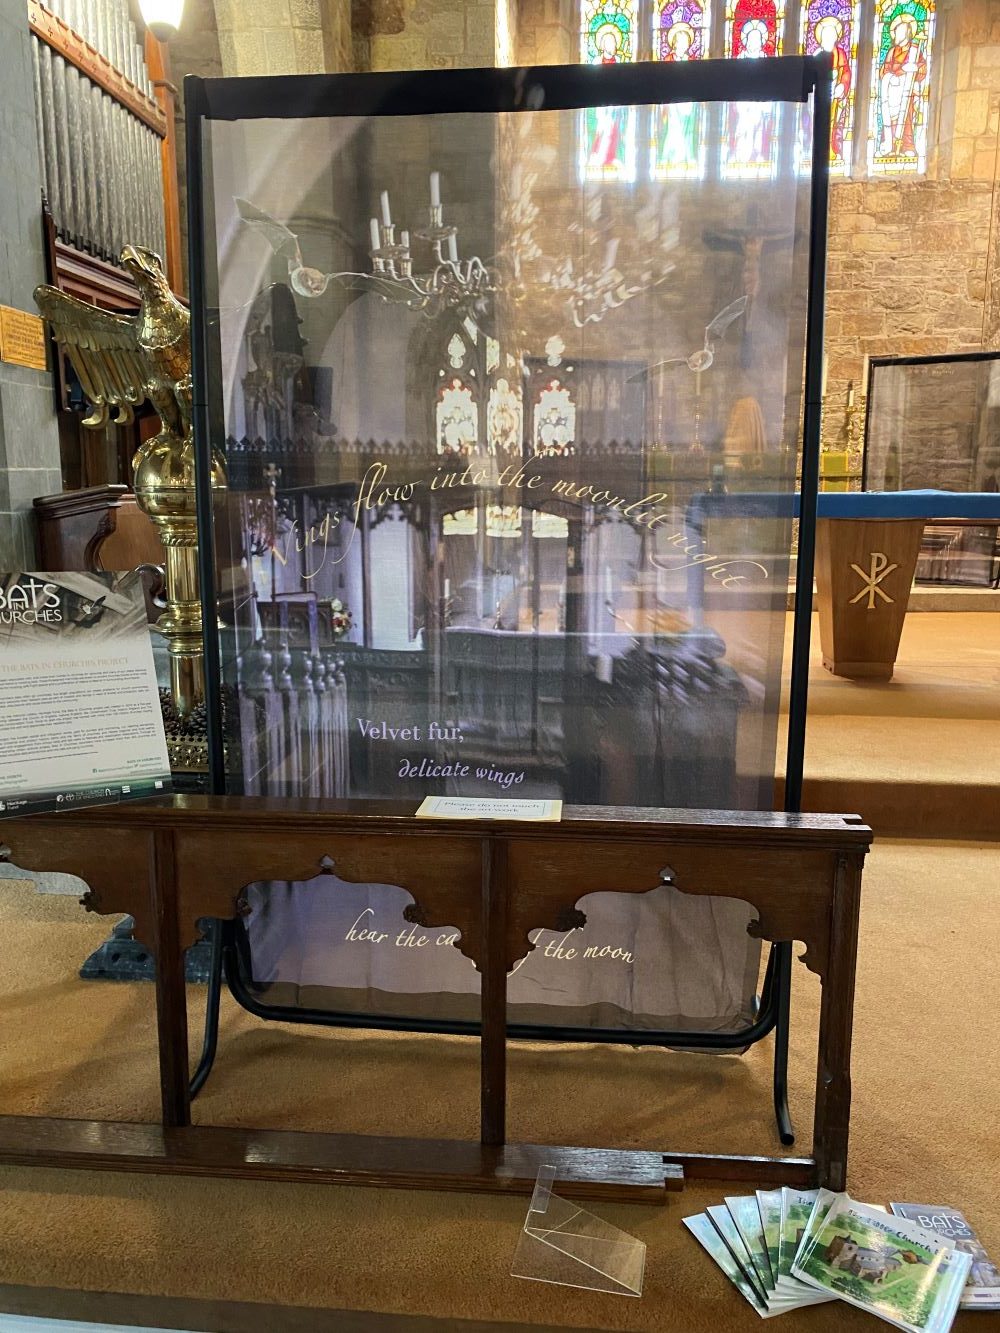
170	863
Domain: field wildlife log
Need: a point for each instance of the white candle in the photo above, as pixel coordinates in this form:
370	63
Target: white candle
404	239
376	244
610	254
453	248
386	215
435	189
864	374
447	589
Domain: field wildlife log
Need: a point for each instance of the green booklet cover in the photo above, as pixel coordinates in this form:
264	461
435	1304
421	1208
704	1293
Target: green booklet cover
707	1235
769	1207
982	1290
743	1208
727	1229
892	1268
796	1210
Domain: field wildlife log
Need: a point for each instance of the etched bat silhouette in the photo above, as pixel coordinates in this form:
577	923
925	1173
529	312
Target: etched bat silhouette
304	280
703	357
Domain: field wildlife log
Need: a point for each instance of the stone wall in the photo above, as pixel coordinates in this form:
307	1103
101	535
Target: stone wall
906	271
547	32
195	50
283	36
424	34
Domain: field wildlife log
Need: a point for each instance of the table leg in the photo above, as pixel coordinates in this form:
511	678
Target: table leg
833	1071
171	996
493	995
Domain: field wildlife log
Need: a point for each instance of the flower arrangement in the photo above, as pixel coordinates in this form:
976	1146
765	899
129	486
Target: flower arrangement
339	617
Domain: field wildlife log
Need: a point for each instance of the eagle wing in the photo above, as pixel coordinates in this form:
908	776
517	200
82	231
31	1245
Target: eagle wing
103	351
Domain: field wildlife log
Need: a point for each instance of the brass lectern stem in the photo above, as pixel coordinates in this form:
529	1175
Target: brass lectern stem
181	626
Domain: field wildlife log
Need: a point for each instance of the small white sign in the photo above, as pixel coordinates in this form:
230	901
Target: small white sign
80	717
472	807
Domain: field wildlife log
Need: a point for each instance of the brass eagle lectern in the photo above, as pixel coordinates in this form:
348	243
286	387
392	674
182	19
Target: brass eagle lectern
121	361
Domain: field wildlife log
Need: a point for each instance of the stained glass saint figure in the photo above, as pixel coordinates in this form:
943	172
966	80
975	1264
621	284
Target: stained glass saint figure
898	130
831	25
608	141
753	32
608	36
678	35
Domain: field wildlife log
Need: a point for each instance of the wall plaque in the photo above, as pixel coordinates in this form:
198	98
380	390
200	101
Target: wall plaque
22	339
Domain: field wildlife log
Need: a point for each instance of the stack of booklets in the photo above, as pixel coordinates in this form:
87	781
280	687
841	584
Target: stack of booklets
786	1249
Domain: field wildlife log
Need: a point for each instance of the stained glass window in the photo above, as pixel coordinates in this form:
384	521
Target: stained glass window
608	37
609	30
754	31
677	142
457	419
832	25
680	32
754	28
897	112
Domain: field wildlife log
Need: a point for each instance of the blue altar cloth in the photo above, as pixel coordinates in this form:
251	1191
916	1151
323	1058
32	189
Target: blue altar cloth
928	505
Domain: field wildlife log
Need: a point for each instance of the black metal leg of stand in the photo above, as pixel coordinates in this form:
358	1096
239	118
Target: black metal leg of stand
765	999
212	1001
782	979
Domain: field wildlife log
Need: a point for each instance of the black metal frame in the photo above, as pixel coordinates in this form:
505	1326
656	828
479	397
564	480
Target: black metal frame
790	78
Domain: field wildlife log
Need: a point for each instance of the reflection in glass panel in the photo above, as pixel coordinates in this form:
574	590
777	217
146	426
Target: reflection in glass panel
608	134
469	490
750	130
607	143
680	32
897	116
832	25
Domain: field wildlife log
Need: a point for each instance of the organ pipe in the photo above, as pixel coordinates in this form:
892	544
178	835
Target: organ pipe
100	159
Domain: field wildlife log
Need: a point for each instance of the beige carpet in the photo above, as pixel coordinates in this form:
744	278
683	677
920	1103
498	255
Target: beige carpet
926	1120
937	720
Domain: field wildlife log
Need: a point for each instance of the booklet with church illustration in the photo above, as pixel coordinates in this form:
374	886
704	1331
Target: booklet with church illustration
982	1290
903	1273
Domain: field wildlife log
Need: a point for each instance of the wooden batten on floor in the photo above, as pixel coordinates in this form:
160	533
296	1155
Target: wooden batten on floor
337	1159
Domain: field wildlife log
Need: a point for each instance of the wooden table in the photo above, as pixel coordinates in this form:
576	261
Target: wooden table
169	863
867	544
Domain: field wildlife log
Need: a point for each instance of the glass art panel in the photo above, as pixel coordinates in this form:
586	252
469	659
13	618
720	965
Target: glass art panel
900	87
469	416
681	30
750	132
